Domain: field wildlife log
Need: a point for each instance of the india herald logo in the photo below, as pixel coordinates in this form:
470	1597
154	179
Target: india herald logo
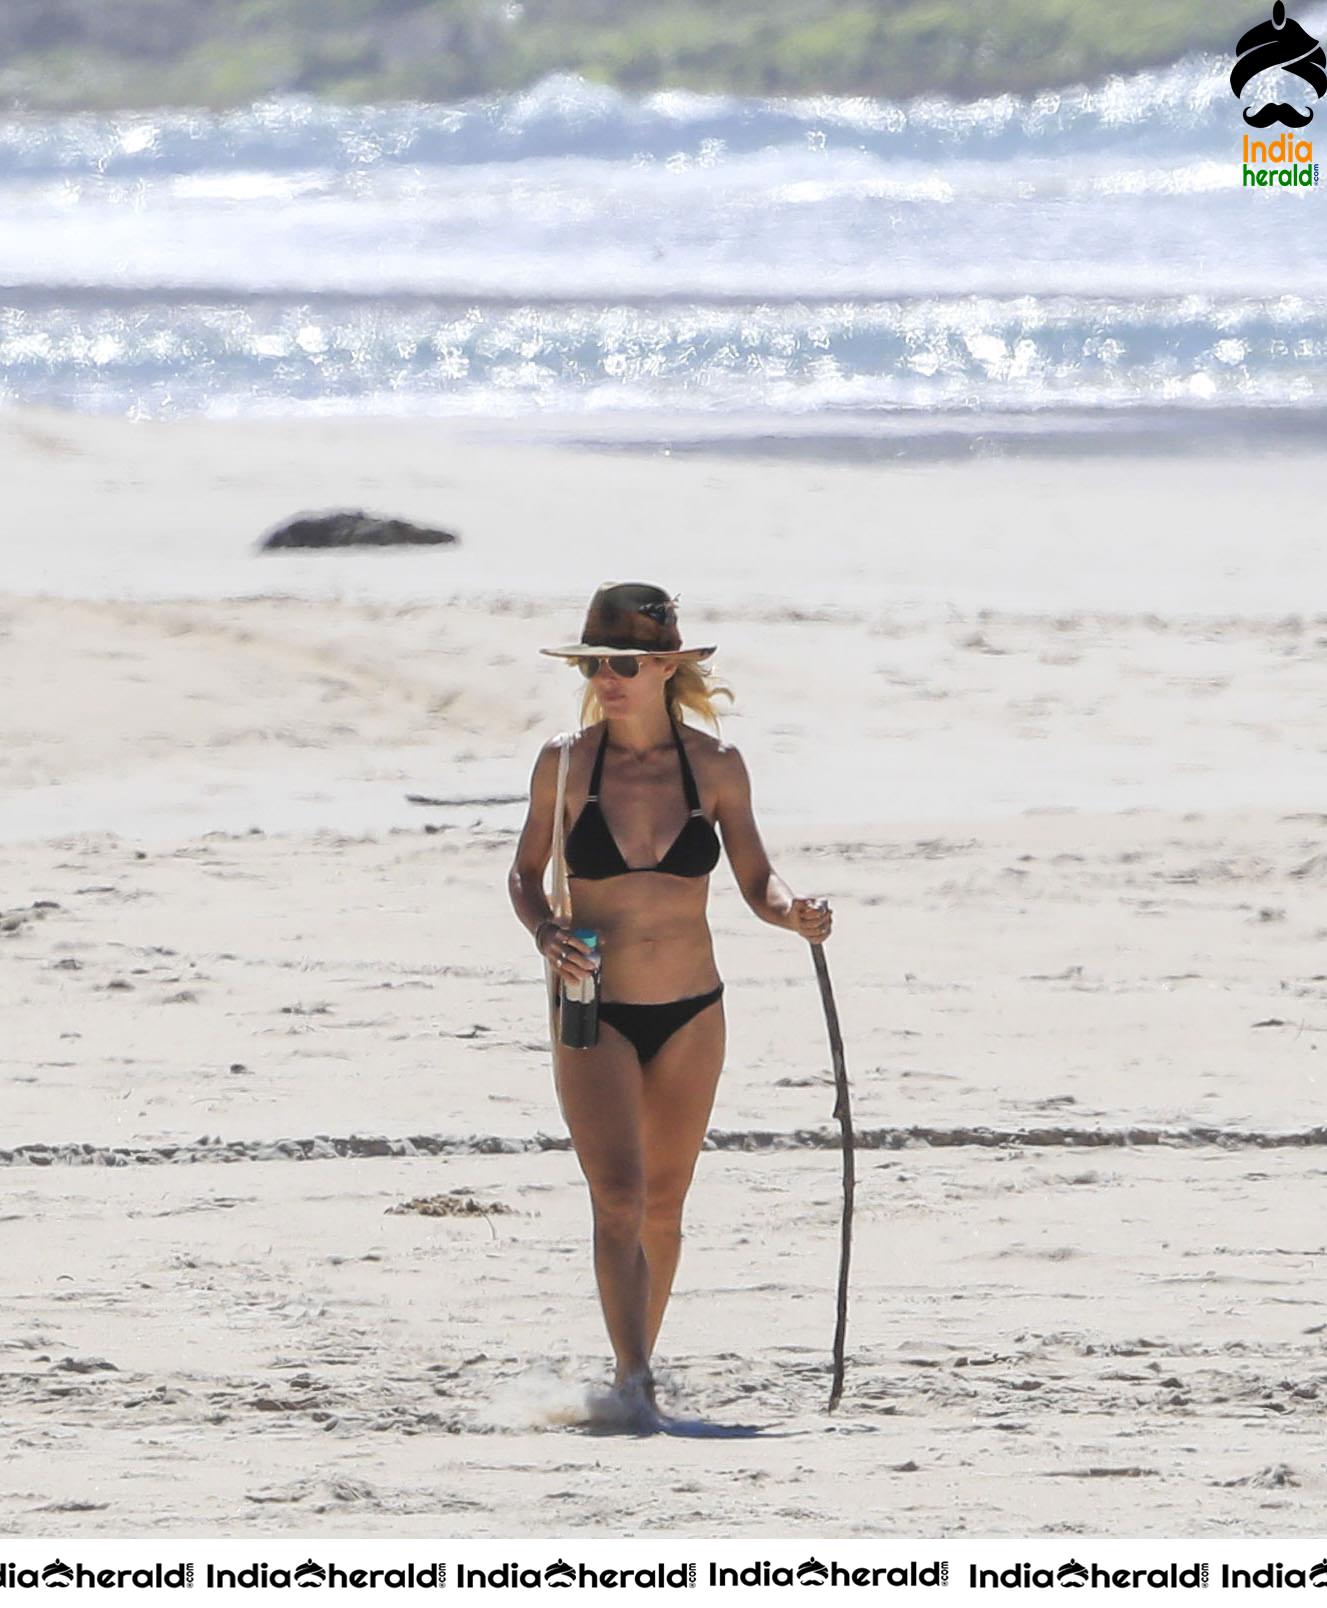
1282	43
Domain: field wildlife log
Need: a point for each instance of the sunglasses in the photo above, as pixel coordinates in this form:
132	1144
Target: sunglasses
623	665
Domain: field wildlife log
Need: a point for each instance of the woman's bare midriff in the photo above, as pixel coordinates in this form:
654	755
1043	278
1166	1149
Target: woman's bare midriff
654	939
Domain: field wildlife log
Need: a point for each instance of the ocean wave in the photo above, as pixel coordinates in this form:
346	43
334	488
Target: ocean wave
939	353
1184	106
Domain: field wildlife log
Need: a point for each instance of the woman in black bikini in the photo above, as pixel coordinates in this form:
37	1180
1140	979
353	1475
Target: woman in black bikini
639	856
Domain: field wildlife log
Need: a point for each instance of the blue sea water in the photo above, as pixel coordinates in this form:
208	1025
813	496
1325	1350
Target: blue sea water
1045	268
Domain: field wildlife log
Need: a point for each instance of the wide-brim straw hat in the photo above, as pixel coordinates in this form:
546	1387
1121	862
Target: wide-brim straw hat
630	617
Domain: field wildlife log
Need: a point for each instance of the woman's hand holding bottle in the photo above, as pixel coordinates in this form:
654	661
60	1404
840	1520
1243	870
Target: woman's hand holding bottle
570	958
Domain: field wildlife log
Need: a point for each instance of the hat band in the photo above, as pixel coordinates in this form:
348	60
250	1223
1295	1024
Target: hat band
630	645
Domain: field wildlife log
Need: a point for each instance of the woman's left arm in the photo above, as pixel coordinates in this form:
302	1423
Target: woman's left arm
762	887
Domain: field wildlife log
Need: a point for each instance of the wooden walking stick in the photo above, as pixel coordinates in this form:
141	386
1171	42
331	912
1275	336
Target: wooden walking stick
843	1112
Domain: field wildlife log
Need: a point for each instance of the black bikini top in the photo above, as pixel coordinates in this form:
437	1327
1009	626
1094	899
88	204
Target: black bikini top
592	853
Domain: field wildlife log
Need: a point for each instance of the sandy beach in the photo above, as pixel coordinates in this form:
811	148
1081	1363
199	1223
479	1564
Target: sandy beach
1049	736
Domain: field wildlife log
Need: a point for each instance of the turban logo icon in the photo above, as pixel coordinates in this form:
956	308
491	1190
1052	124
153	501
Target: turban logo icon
1279	43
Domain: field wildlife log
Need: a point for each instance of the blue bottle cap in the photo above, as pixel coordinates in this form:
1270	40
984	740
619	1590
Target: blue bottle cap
587	936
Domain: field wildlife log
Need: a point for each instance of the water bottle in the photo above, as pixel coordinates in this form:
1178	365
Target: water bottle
580	1001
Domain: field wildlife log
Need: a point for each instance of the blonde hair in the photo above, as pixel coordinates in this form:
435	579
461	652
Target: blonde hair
690	686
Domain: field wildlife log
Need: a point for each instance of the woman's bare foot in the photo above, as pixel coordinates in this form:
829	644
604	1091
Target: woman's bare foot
629	1405
642	1382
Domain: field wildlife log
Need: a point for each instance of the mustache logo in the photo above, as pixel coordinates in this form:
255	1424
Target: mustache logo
1278	112
1280	42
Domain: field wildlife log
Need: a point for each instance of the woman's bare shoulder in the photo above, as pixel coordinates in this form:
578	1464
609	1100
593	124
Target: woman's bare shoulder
718	758
575	740
707	743
549	755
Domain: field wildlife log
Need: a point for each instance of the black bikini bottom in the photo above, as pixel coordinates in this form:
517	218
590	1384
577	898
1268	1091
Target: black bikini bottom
649	1027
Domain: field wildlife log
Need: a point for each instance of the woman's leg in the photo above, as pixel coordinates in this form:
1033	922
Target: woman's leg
676	1100
599	1090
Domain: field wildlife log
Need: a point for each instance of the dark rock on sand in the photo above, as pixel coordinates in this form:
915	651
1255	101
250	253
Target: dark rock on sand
352	527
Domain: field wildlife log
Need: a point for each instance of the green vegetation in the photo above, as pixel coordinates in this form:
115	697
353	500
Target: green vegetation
92	54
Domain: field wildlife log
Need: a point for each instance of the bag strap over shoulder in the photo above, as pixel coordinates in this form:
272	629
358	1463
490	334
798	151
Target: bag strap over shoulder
560	896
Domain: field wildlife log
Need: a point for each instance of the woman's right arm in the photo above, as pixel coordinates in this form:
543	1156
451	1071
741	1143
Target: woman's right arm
525	881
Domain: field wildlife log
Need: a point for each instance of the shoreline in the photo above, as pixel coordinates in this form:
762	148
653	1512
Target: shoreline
902	437
917	437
